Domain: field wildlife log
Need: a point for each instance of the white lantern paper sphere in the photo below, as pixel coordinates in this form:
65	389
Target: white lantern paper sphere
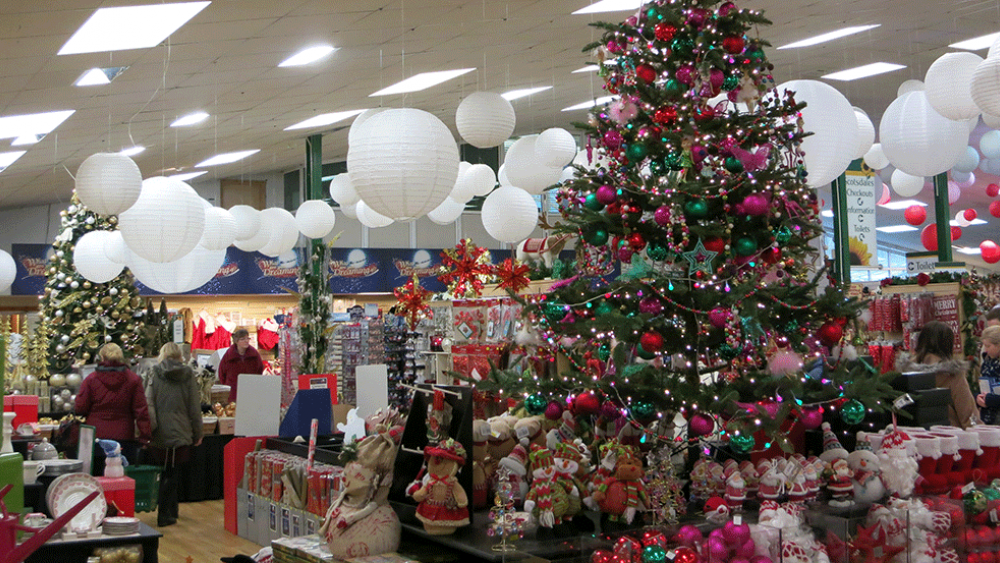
352	133
190	272
371	218
247	221
973	123
948	85
108	183
510	214
990	144
404	163
968	161
917	139
485	119
8	270
905	184
991	121
960	219
315	218
555	147
478	180
462	167
961	177
866	133
954	192
91	262
994	49
967	182
115	249
911	85
220	229
350	211
502	178
342	190
525	171
448	212
261	237
986	86
284	231
165	223
830	117
875	158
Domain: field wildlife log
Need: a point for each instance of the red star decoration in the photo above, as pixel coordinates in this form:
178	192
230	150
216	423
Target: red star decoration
869	546
513	275
465	269
413	302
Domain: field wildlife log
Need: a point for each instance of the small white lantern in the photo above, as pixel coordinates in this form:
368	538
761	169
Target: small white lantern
284	232
165	223
986	86
875	158
371	218
91	262
350	211
502	178
220	229
866	133
905	184
919	140
525	171
948	85
8	270
968	161
510	214
115	249
247	221
477	180
259	238
485	119
990	144
342	190
315	218
108	183
555	147
960	219
188	273
448	212
911	85
830	117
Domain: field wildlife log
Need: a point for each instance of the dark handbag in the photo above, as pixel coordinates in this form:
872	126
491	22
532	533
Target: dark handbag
66	437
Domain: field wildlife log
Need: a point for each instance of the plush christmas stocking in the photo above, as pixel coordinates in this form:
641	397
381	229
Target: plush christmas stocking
985	468
928	455
968	448
949	457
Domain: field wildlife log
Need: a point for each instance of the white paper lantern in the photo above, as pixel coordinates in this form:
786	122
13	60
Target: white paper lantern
885	174
247	221
115	249
555	147
502	178
220	229
261	237
830	117
404	163
954	193
911	85
525	171
948	85
91	262
510	214
918	140
875	158
8	270
985	86
968	161
352	133
108	183
350	211
866	133
994	49
448	212
165	223
905	184
991	121
967	182
342	190
478	180
973	123
315	218
284	232
990	144
960	219
462	167
190	272
960	177
371	218
485	119
568	173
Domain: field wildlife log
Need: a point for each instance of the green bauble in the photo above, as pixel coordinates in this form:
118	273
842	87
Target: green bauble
673	161
643	354
653	554
696	209
975	502
597	237
783	235
535	404
604	351
684	45
657	251
742	443
730	82
643	411
636	152
591	203
992	494
733	165
555	310
746	246
756	54
853	412
727	352
672	88
657	168
603	308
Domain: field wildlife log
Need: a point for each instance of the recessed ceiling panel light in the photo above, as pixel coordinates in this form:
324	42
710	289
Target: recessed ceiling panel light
590	104
324	119
977	221
829	36
523	92
190	119
421	81
187	175
826	213
308	55
863	71
976	43
130	27
26	140
896	229
903	204
611	6
968	249
14	126
99	76
226	158
132	151
8	158
588	68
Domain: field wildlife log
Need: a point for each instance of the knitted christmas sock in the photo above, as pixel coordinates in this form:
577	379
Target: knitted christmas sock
949	457
986	463
968	448
928	454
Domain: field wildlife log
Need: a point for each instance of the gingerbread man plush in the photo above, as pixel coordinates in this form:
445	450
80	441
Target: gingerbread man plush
443	504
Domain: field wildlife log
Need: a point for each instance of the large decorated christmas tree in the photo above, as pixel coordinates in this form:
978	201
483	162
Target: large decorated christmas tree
723	311
83	315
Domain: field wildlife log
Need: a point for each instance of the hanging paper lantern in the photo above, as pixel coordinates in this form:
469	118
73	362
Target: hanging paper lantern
911	85
342	190
968	162
315	218
525	171
963	179
371	218
991	121
186	274
875	158
220	229
985	86
247	221
260	237
960	219
350	211
866	133
448	212
928	237
509	214
990	144
354	131
404	163
284	232
8	270
886	196
918	140
115	249
905	184
990	251
555	147
108	183
485	119
166	222
476	180
954	192
915	215
853	412
948	85
91	262
830	117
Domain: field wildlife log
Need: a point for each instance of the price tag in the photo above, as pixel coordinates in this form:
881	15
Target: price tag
993	516
968	488
671	555
738	520
903	400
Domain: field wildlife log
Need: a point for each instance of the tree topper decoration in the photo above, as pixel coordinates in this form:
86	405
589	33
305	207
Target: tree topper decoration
413	302
465	269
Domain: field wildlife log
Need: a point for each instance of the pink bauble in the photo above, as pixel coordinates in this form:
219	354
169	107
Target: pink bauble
631	21
610	411
662	216
811	418
716	77
612	139
614	47
718	551
718	317
689	535
760	559
725	9
696	18
735	534
747	550
625	254
651	305
685	74
553	411
700	425
755	204
771	408
698	154
606	195
739	559
717	534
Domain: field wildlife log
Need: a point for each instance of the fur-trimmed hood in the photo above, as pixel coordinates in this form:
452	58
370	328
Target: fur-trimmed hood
905	362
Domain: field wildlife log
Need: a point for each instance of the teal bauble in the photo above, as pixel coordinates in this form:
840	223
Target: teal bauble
643	411
555	310
604	351
733	165
636	152
992	494
756	54
643	354
696	209
591	203
597	237
742	443
745	246
652	554
672	88
684	45
657	252
783	235
535	404
657	168
730	83
673	161
603	308
727	352
853	412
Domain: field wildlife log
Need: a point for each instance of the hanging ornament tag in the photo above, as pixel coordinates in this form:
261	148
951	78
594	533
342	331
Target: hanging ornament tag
738	520
671	555
968	487
902	401
993	516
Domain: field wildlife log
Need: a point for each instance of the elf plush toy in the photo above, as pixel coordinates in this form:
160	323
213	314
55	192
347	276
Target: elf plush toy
622	495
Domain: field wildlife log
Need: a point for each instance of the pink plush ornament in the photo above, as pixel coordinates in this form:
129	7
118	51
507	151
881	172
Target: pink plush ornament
606	195
784	363
689	536
623	111
718	317
811	418
756	205
662	215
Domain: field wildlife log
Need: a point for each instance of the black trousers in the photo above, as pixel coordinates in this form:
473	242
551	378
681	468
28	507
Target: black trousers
172	461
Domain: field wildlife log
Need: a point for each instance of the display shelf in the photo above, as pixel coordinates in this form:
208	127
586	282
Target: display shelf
327	448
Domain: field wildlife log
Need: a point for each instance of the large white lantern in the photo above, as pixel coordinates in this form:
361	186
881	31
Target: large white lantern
352	133
911	85
866	133
8	270
315	218
165	223
525	170
342	190
485	119
350	211
115	249
261	237
371	218
90	260
990	144
510	214
948	85
502	178
284	231
830	117
917	139
404	163
968	162
247	221
190	272
477	180
108	183
220	229
905	184
875	158
448	212
555	147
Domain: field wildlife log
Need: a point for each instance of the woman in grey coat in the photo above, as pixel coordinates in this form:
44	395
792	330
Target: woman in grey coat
174	400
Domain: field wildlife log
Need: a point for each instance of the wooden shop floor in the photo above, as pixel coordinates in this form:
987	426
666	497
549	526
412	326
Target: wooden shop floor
199	534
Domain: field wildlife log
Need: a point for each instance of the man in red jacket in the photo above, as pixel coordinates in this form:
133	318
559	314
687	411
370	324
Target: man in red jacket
241	357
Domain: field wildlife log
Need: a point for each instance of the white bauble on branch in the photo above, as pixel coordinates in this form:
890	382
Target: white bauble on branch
220	229
919	140
875	158
355	129
477	180
485	119
165	223
404	163
525	171
108	183
115	249
284	231
830	117
371	218
948	85
968	161
989	143
90	260
315	218
342	190
509	214
261	237
188	273
448	212
247	221
911	85
866	133
8	270
555	147
905	184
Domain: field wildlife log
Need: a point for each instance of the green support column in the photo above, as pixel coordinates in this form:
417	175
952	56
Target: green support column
942	217
314	183
841	250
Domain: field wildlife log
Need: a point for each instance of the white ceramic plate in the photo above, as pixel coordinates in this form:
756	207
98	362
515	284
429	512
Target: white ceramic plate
70	489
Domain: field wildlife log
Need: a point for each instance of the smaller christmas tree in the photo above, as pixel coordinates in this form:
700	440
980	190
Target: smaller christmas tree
504	520
665	491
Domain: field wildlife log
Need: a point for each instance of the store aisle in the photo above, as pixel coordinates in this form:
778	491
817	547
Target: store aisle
198	534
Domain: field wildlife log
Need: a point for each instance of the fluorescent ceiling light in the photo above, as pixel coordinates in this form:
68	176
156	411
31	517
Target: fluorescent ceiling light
611	6
187	175
977	43
826	213
593	67
132	151
421	81
968	249
903	204
99	76
976	221
896	229
829	36
523	92
308	55
865	71
26	140
13	126
226	158
590	104
324	119
8	158
190	119
130	27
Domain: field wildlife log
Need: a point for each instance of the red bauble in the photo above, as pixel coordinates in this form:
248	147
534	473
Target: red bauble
990	251
614	208
992	190
586	404
685	555
665	31
654	538
651	342
970	214
636	241
733	44
715	244
665	115
995	208
830	334
628	548
554	410
703	113
772	255
928	237
646	73
956	233
601	556
923	279
915	215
